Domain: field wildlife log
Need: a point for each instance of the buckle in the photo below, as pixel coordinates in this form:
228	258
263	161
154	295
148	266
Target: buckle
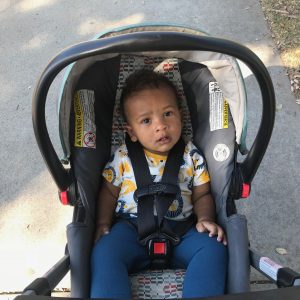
159	248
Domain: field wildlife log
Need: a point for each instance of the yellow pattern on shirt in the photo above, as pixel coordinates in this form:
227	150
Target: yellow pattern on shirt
193	172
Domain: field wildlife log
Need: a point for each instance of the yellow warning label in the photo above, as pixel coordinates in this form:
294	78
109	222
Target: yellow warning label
78	121
225	114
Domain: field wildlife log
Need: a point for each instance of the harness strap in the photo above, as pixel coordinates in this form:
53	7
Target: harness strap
143	179
149	194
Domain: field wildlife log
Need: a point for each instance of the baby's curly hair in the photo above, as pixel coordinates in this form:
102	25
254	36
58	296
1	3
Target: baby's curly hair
145	79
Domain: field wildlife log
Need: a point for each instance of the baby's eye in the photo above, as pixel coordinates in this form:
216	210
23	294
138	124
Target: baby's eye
145	121
168	113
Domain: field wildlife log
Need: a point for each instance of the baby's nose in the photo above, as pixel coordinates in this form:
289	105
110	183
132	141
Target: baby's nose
160	125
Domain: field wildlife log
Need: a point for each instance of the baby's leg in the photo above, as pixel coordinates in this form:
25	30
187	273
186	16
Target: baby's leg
113	256
205	261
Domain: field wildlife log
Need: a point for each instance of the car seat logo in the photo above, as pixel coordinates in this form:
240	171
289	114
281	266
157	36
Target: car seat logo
221	152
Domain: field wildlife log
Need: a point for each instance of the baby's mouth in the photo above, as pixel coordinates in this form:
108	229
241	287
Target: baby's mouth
163	139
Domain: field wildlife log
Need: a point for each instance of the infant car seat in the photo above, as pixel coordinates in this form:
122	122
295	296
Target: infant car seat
210	125
91	127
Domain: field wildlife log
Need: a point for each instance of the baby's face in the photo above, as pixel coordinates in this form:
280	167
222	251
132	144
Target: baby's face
154	119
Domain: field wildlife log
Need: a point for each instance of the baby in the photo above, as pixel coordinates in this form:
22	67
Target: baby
151	109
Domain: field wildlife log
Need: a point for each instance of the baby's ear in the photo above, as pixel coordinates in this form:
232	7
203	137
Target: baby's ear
131	133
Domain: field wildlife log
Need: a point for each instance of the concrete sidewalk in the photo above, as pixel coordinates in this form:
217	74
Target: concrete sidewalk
32	222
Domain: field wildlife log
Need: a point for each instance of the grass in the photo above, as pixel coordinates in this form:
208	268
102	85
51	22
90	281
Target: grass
283	17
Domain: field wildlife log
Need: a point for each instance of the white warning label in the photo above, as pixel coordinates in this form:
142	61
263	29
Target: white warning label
85	128
269	267
218	108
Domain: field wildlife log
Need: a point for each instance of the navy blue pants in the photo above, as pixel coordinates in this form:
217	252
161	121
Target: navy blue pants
119	253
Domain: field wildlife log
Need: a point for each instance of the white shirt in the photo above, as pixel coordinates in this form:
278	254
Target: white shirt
193	172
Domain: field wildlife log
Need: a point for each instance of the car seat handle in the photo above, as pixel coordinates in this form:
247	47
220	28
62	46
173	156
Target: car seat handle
152	41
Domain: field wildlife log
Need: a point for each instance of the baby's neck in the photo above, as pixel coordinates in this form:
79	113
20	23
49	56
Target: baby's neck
156	153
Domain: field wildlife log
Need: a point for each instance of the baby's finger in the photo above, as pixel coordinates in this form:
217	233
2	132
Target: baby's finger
105	231
200	227
225	240
100	232
212	229
221	236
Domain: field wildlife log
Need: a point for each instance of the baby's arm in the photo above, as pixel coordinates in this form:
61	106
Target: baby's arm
106	205
204	209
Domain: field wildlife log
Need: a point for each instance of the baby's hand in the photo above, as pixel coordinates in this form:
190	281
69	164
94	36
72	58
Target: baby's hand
101	229
213	229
